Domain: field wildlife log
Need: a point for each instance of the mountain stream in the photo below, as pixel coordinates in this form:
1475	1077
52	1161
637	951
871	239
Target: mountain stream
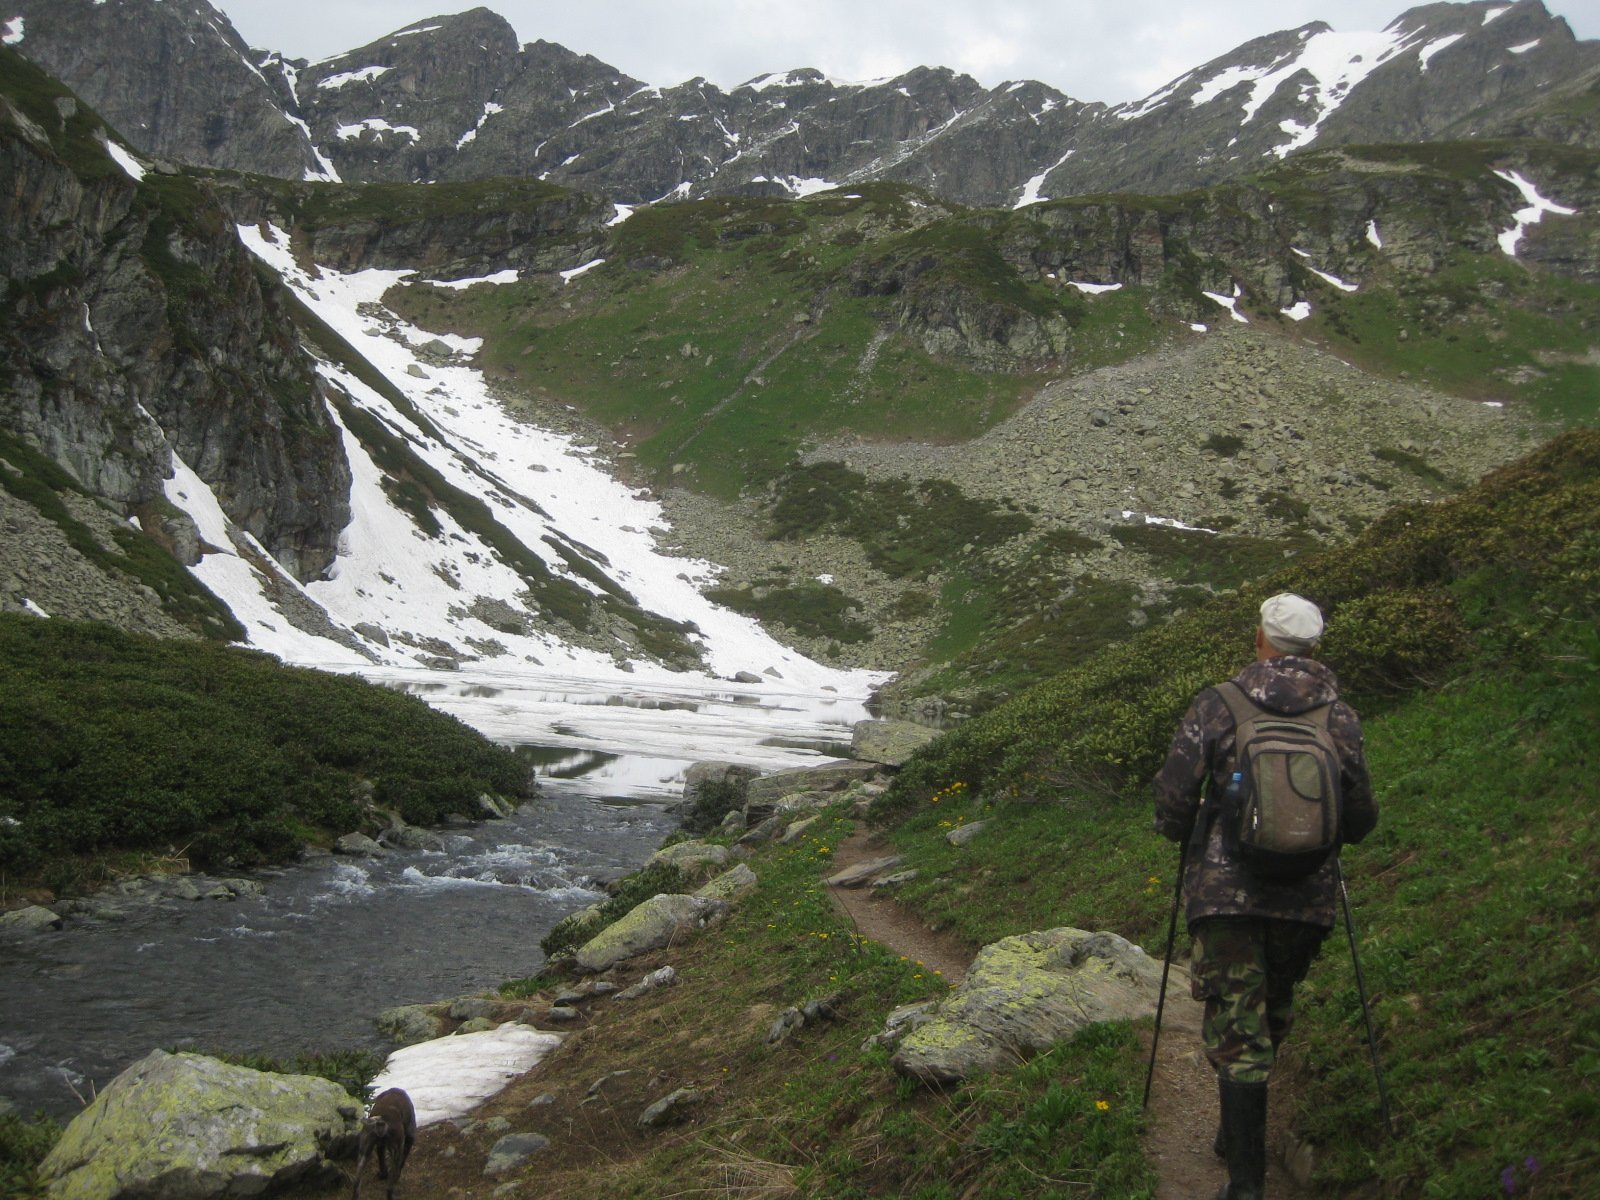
330	943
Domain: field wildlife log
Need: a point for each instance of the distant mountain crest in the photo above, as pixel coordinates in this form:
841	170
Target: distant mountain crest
456	97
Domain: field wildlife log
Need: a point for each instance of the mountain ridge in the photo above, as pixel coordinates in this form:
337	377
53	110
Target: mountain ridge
456	97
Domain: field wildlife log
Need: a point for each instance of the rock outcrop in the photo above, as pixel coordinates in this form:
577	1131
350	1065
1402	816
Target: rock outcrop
139	331
1024	994
187	1127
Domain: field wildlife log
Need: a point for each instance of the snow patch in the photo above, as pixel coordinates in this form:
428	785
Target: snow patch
1094	289
544	488
1337	62
134	168
489	110
1297	312
1167	522
1030	190
364	75
1524	48
461	285
1231	303
14	31
1373	235
1432	48
1531	215
569	276
378	126
450	1076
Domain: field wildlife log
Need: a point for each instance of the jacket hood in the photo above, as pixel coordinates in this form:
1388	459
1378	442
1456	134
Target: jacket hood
1289	684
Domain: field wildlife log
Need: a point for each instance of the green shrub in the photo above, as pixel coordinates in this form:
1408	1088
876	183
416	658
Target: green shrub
1395	641
23	1146
352	1070
112	742
714	799
1225	444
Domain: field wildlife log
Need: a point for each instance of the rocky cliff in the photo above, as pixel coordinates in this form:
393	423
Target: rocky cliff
136	329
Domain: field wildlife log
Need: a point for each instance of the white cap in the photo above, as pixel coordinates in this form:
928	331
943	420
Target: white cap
1292	623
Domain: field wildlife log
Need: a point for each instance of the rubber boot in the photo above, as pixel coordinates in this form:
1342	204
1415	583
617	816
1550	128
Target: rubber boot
1244	1136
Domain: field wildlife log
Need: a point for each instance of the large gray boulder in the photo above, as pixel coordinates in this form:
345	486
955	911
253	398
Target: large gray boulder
889	742
35	918
648	926
829	777
1024	994
188	1127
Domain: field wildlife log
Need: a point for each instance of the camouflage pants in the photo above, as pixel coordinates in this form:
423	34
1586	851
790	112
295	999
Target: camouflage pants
1245	970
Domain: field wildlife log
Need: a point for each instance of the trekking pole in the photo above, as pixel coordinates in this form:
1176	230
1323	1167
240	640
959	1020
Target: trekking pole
1166	965
1361	990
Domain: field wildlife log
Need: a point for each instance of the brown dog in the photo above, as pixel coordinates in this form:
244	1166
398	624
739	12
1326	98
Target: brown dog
391	1128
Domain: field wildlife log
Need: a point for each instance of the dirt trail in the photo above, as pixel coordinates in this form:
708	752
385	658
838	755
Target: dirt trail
1182	1118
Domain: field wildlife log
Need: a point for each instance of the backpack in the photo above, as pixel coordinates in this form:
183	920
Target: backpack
1280	812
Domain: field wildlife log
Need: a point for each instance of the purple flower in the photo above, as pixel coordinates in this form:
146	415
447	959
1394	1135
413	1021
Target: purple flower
1531	1165
1508	1180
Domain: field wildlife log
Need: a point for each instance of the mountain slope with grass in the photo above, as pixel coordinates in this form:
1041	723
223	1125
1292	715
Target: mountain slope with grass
1466	633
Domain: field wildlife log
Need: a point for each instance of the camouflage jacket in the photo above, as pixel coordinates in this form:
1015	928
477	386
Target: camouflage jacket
1214	885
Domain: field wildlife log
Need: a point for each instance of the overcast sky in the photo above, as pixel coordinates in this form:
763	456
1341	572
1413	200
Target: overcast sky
1108	50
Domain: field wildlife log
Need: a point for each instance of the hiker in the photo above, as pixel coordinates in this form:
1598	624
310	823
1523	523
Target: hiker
1255	935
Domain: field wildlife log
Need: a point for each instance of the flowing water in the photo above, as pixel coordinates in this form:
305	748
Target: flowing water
307	965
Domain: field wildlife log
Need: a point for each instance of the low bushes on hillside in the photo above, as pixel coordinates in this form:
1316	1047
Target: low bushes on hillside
1505	568
112	742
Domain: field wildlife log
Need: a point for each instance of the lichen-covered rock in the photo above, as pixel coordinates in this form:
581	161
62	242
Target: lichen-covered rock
1024	994
35	918
889	742
187	1127
864	872
731	885
648	926
691	856
829	777
409	1024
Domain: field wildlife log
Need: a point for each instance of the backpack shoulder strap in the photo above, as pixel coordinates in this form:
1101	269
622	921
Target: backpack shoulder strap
1238	702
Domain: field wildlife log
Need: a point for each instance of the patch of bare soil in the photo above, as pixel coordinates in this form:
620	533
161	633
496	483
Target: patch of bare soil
1181	1121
